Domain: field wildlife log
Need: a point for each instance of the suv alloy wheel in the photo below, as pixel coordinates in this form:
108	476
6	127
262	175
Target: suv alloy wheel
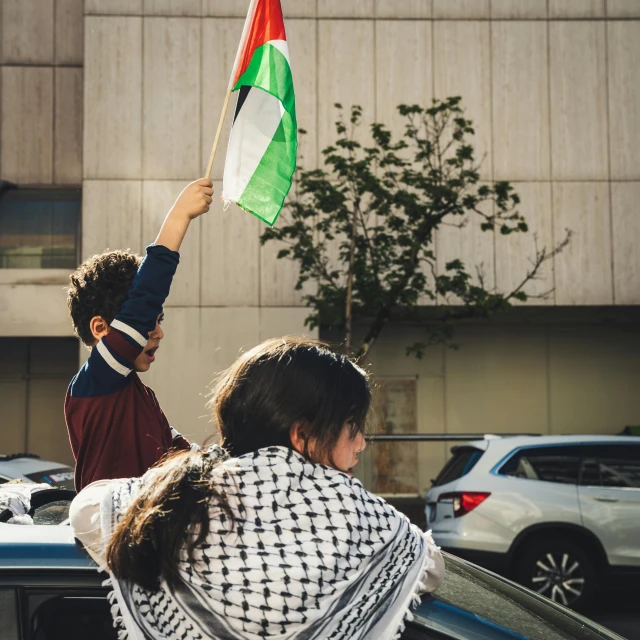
559	570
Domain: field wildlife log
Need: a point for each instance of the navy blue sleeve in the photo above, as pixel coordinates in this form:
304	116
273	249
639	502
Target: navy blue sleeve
149	290
112	359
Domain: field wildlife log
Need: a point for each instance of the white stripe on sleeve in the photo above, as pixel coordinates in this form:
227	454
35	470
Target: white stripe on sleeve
111	361
130	331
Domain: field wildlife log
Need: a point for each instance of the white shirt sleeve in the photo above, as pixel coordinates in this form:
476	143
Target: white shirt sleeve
433	576
84	517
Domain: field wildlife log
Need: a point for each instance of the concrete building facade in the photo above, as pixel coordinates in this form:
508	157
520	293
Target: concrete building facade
120	98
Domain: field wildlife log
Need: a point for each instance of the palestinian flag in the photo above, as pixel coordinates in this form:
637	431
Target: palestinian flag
261	157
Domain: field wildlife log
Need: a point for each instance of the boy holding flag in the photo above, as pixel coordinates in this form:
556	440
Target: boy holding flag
116	426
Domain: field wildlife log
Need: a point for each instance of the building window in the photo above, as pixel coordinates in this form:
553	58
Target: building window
39	228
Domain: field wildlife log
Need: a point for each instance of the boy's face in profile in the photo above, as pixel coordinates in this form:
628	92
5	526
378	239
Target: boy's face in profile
99	329
148	355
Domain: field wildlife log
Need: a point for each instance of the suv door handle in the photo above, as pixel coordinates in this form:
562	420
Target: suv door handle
605	499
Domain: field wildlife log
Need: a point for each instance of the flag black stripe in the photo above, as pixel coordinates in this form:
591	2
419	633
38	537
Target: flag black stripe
242	96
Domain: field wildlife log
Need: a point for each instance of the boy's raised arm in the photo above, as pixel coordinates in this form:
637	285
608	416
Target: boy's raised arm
113	358
194	200
151	285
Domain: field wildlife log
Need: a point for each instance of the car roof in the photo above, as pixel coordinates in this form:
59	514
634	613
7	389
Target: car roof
19	467
41	547
511	442
496	447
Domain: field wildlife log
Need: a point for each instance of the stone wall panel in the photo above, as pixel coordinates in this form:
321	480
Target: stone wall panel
171	99
578	101
67	158
520	101
27	124
27	32
583	269
461	9
230	256
518	9
559	9
113	98
111	216
69	32
624	99
625	197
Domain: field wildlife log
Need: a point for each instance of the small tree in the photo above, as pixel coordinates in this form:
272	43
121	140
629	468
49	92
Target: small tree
362	229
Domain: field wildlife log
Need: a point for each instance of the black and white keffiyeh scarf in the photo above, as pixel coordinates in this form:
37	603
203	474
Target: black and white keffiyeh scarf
312	556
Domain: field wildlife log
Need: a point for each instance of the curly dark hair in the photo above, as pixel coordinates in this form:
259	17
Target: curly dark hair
99	287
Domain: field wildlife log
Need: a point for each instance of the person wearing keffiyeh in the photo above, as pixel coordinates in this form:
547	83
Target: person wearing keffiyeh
269	535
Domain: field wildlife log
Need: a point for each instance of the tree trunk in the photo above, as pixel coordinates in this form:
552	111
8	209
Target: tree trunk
348	316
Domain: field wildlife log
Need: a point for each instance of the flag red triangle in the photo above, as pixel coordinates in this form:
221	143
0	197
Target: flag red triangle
267	24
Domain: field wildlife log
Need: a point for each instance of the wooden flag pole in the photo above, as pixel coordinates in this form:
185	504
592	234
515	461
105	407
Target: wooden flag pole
217	138
243	39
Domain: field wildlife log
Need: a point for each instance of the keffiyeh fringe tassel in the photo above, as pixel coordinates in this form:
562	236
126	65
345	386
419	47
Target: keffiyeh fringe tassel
116	614
421	588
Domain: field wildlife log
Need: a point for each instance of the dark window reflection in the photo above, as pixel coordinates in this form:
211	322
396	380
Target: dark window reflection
550	464
39	228
616	465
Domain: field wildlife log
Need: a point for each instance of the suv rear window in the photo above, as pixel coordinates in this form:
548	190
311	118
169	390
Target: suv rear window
462	461
549	464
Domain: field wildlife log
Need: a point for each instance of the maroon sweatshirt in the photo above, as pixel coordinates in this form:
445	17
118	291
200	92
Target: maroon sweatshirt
116	426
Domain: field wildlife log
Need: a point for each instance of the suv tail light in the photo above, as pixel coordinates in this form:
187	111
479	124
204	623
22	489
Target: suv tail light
464	501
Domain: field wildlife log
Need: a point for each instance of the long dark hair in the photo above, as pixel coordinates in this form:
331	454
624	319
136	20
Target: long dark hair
279	383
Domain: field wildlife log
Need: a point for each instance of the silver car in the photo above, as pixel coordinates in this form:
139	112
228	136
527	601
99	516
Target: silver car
29	467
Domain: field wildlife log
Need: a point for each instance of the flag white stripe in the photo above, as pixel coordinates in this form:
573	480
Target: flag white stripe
130	331
111	361
250	137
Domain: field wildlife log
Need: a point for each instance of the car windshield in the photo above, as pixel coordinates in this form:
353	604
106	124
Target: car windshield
473	604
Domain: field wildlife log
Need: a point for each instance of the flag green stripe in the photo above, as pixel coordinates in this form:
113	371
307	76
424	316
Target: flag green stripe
269	185
271	181
269	70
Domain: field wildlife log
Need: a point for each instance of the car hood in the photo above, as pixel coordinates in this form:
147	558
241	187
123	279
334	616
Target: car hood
41	546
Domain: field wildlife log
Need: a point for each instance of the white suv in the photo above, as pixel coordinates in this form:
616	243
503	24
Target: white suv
560	514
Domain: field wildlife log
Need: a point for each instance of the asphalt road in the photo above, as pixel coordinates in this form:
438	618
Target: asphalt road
619	612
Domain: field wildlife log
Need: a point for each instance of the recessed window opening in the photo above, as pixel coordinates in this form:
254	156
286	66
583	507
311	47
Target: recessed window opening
39	228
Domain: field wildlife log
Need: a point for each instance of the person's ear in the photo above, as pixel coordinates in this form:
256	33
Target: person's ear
99	327
298	437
